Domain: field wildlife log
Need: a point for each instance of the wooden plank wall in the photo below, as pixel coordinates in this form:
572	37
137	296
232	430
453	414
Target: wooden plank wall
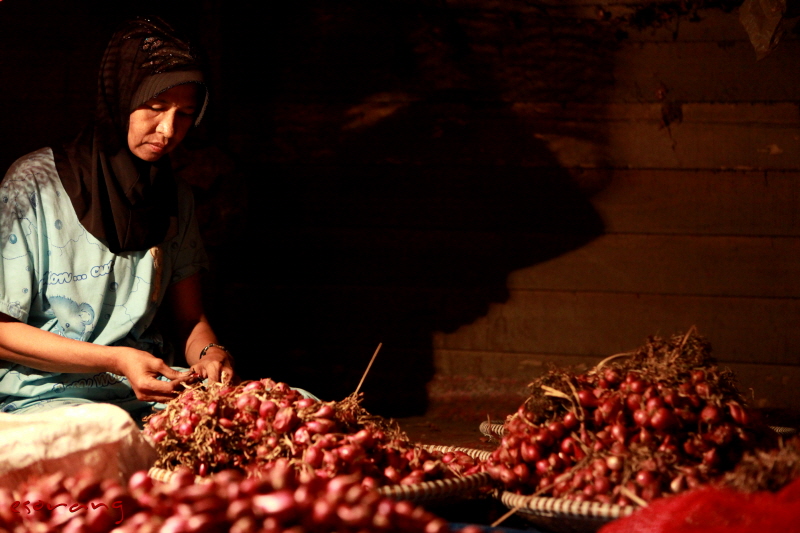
700	213
430	165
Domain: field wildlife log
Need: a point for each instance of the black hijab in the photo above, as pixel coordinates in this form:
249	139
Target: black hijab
123	201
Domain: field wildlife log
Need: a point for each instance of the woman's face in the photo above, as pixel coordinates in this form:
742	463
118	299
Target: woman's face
160	124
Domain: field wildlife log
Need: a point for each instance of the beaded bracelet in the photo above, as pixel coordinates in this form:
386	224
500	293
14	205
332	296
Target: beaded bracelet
214	345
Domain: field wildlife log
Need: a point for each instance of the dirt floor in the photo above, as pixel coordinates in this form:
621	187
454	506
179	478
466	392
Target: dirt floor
446	432
459	405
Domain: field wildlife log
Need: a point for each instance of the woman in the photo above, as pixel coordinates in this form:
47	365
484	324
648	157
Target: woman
97	234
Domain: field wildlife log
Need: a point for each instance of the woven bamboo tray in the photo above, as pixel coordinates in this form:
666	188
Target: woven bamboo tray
440	490
163	475
444	489
555	514
427	491
493	429
567	516
480	455
563	516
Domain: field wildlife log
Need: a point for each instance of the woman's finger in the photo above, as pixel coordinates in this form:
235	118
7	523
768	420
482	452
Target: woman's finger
200	370
172	374
151	395
214	373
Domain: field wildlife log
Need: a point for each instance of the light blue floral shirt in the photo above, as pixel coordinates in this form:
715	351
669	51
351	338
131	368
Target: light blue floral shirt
56	276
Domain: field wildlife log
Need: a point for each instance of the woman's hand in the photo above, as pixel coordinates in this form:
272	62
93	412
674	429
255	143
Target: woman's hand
216	365
143	371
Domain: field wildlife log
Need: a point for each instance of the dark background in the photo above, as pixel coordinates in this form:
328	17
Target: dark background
360	176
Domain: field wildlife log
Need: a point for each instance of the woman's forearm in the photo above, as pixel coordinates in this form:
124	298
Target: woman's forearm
200	336
196	333
49	352
193	328
42	350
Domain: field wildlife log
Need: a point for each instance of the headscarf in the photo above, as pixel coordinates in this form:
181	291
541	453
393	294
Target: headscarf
126	202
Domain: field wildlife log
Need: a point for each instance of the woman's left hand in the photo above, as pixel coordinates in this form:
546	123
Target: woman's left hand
216	365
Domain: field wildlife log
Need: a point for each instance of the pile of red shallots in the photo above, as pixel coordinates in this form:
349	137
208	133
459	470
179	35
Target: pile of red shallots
769	469
215	427
278	501
640	425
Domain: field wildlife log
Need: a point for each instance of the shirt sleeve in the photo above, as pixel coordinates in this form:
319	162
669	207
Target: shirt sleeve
20	236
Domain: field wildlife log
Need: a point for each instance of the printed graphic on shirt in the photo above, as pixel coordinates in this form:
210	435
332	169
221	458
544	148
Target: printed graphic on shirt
102	270
60	278
14	310
103	379
73	320
16	191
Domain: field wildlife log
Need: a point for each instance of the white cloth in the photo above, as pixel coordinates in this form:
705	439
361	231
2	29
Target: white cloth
95	436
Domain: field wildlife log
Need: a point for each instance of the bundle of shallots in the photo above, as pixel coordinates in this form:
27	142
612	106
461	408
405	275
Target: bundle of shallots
638	426
281	500
215	427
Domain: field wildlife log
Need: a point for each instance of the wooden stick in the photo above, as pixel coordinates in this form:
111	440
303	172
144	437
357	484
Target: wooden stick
368	367
505	517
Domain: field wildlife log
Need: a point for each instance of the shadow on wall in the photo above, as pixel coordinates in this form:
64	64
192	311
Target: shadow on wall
399	189
391	254
383	186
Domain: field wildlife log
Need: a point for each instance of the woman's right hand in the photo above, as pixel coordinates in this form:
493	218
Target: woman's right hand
143	370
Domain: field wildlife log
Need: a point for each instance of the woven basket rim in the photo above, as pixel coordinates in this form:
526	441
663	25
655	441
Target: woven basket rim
481	455
783	430
564	508
494	429
417	492
438	489
163	475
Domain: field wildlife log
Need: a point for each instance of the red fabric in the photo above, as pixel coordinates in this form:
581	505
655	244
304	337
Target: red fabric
710	510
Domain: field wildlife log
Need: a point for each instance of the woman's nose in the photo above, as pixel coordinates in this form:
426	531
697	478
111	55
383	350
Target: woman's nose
166	125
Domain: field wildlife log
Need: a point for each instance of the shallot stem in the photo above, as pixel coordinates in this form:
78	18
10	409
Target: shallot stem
612	357
368	367
550	391
577	402
677	351
632	496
